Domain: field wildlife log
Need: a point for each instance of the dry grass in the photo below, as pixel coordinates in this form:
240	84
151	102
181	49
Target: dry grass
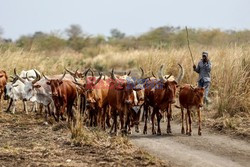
230	72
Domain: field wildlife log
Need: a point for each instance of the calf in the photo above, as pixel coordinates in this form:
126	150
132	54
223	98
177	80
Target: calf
191	99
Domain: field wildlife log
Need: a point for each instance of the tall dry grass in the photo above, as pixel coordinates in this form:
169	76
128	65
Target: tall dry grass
230	67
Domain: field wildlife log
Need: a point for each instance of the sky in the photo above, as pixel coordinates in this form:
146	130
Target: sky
133	17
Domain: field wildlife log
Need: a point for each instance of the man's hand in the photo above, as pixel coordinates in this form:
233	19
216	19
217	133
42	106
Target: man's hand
194	67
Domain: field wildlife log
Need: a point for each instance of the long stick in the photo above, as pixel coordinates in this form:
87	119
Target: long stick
189	46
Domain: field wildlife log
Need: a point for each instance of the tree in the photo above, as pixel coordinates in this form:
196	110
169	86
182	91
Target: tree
74	31
116	34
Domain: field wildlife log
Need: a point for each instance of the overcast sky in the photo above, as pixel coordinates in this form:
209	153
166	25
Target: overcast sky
18	17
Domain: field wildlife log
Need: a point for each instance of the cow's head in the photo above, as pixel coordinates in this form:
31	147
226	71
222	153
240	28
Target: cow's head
169	86
29	85
87	86
128	85
56	91
198	95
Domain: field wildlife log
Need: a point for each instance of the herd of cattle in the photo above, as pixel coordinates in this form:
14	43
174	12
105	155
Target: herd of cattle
105	100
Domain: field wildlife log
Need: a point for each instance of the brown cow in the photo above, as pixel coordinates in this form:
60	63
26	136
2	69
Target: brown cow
3	81
191	99
121	99
160	94
96	95
64	95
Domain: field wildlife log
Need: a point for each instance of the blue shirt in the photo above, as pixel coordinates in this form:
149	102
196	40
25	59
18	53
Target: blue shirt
203	69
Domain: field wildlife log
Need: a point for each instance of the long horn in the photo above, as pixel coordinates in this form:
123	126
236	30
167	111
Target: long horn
70	72
38	77
21	79
45	77
85	72
27	77
142	73
168	77
112	75
92	73
86	75
62	76
180	75
191	87
100	77
129	73
153	74
160	74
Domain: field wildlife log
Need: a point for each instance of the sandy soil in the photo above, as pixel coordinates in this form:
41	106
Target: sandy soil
210	149
26	141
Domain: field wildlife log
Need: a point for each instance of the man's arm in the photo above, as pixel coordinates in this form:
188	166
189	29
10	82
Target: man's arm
196	69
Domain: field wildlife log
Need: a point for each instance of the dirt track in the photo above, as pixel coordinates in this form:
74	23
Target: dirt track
210	149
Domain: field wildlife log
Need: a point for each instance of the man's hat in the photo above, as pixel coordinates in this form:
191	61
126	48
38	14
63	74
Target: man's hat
205	53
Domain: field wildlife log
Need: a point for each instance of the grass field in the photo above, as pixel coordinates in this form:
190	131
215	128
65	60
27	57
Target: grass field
230	90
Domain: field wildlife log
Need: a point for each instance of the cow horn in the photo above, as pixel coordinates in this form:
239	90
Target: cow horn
62	76
45	77
153	74
70	72
129	73
92	73
38	77
161	75
27	77
21	79
142	72
112	74
100	77
180	75
191	87
86	74
168	77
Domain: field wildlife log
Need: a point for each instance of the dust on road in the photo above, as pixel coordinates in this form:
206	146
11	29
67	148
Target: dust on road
208	150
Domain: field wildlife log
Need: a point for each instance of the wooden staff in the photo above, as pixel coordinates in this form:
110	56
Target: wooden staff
189	46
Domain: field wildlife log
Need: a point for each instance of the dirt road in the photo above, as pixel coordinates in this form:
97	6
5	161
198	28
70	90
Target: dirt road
207	150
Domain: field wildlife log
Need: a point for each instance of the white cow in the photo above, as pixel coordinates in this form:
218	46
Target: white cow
14	90
39	91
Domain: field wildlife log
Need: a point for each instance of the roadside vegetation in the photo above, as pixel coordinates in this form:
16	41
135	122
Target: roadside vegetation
229	52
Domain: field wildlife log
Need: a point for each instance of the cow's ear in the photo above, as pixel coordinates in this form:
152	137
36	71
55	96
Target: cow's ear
48	83
37	86
60	82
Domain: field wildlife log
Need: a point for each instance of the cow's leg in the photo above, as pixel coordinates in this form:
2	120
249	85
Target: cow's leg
182	120
25	107
159	116
10	104
61	111
1	94
169	118
199	117
190	122
186	118
121	115
103	117
153	121
145	113
108	116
